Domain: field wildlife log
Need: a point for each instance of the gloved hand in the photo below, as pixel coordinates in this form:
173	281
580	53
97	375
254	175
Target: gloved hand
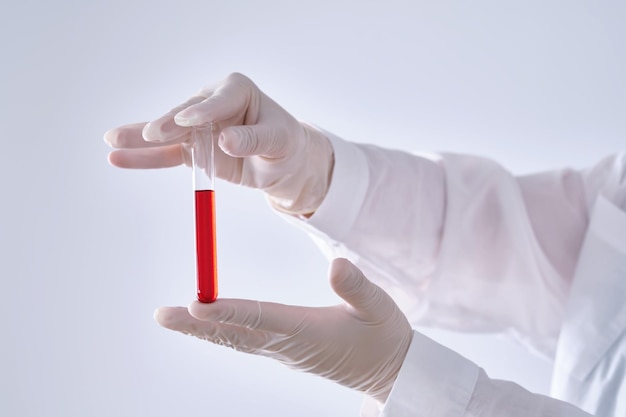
260	145
360	344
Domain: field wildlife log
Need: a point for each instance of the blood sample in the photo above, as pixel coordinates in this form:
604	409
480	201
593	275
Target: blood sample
205	245
203	184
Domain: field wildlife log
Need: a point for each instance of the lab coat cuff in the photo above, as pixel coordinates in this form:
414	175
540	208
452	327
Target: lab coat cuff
434	381
348	187
347	190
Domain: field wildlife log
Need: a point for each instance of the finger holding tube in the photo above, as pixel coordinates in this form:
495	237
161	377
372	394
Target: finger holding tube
164	129
265	316
235	101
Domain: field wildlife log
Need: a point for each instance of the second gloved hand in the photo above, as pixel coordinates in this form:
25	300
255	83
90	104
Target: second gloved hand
360	344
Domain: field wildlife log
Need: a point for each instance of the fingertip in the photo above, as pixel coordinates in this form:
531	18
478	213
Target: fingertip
166	316
228	141
185	118
113	158
193	112
157	314
238	141
151	133
195	310
341	263
119	159
339	269
118	136
158	131
201	311
109	137
221	139
346	279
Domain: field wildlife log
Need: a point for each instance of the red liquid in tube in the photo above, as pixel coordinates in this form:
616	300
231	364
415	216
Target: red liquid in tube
205	246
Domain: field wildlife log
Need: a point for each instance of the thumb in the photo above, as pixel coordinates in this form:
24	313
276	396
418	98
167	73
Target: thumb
267	141
350	284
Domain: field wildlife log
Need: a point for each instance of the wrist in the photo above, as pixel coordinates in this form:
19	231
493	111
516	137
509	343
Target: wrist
311	181
381	390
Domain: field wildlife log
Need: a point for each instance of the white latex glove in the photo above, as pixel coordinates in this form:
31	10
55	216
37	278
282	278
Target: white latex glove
260	145
360	344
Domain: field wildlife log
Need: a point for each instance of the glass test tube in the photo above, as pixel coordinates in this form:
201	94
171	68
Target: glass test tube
203	185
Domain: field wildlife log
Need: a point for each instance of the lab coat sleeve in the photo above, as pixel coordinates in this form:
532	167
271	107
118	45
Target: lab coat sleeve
437	382
589	367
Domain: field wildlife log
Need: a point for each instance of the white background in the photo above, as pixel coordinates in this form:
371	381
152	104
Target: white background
89	251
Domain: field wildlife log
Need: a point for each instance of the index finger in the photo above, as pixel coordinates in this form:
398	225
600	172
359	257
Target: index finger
165	129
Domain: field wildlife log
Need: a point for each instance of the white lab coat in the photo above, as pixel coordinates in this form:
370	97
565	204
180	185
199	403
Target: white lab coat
462	244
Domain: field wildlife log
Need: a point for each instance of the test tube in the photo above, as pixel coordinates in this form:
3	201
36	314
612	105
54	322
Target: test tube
204	194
